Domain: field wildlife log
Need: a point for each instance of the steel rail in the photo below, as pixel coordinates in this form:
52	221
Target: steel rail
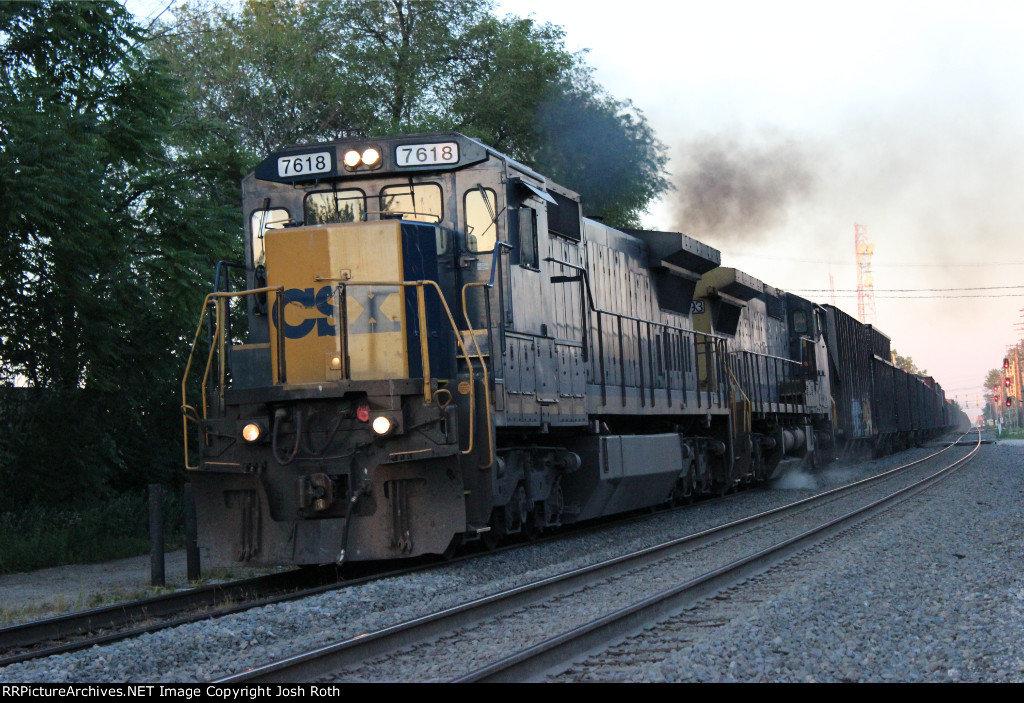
122	615
555	652
326	660
130	619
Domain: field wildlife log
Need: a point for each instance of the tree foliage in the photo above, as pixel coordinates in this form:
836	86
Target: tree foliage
99	270
907	364
280	72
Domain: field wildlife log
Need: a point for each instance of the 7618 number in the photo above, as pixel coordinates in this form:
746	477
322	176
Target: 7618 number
427	154
303	164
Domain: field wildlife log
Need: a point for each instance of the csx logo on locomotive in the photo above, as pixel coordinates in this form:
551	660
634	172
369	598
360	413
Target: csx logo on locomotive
370	310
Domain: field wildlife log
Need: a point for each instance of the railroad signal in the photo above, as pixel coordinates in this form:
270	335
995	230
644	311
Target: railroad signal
1009	402
1006	363
1006	382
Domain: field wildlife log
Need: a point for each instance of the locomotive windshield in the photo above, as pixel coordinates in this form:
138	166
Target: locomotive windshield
335	206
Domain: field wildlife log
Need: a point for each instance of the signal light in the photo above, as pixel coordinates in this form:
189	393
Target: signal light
1009	402
1006	363
1006	382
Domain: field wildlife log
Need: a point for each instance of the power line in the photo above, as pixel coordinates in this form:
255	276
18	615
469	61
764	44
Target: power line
928	297
874	264
904	290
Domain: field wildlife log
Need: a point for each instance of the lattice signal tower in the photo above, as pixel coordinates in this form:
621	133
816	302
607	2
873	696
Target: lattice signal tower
865	281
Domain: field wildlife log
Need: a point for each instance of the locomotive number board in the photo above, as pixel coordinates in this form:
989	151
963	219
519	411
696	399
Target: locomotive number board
305	164
427	154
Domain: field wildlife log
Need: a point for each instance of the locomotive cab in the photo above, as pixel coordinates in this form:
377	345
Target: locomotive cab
356	395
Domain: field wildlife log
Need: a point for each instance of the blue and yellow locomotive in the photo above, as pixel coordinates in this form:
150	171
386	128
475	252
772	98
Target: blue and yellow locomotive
428	344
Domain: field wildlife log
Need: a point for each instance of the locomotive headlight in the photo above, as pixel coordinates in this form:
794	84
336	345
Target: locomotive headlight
252	432
381	425
371	157
352	158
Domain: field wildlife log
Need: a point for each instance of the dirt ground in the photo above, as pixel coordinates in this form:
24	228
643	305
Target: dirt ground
37	594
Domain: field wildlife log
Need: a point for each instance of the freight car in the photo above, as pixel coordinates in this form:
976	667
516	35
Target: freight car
428	344
879	407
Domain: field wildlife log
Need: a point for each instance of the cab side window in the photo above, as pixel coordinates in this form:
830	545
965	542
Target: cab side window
528	238
481	230
259	223
800	322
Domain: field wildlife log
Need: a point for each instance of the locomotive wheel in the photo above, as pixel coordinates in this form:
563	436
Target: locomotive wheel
490	539
816	461
690	491
531	530
520	507
493	537
453	548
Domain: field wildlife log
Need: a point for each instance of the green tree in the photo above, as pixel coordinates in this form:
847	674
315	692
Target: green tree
993	382
906	363
604	148
104	245
281	72
993	379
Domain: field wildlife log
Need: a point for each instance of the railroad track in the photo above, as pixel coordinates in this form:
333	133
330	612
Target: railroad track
507	636
75	631
80	630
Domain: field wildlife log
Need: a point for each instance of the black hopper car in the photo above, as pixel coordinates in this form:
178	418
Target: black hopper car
427	344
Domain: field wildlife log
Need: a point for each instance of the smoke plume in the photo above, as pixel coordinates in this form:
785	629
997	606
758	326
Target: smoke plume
728	189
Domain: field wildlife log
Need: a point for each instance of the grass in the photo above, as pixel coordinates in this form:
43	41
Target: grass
62	604
41	537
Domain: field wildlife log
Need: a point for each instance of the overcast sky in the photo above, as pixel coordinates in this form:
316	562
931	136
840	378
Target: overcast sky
788	122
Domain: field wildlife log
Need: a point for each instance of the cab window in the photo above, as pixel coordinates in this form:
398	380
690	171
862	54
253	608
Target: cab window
800	322
419	202
259	223
480	219
335	206
528	238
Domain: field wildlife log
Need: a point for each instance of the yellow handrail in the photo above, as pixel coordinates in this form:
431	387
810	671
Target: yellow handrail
218	345
746	401
483	366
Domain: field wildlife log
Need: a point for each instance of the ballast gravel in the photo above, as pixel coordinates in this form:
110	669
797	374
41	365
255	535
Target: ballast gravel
895	602
937	595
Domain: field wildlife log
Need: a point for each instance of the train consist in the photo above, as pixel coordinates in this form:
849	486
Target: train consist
427	344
